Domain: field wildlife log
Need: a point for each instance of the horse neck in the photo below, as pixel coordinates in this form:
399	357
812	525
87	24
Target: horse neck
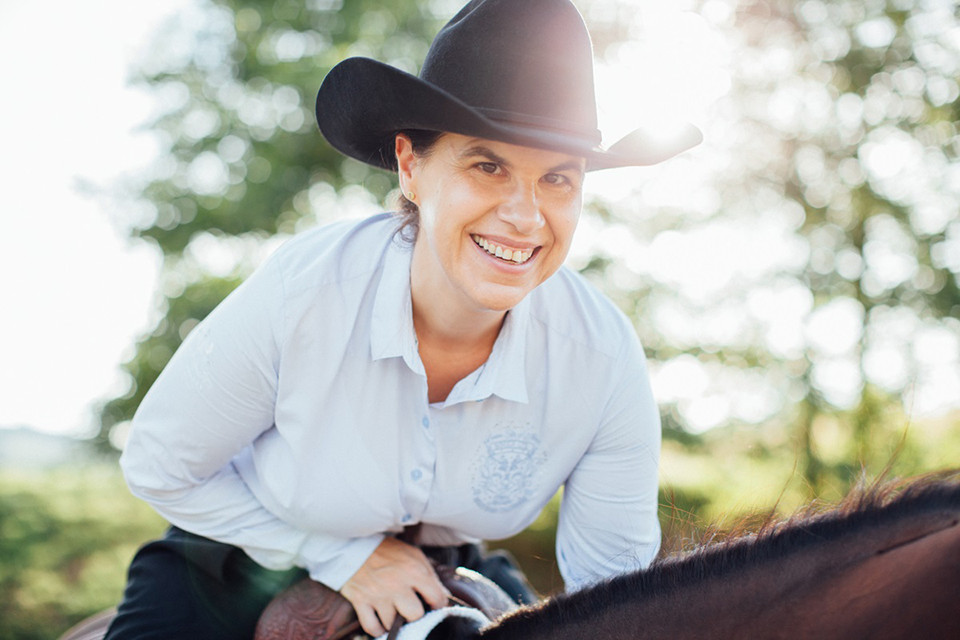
843	587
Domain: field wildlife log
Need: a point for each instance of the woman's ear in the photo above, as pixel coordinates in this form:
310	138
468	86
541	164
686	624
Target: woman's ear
406	161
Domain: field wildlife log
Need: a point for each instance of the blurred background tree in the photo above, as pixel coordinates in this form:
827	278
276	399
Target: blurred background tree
236	82
801	304
837	153
808	282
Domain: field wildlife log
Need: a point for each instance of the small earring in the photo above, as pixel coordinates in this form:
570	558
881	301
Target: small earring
410	196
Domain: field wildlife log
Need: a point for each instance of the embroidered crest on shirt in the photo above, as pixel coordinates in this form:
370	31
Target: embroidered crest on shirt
505	473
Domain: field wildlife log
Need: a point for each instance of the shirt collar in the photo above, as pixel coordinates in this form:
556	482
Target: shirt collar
505	372
392	335
507	364
391	327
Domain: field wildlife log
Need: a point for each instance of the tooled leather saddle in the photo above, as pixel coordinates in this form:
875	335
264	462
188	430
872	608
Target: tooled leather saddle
308	609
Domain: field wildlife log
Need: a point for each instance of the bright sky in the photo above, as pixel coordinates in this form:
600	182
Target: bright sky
74	291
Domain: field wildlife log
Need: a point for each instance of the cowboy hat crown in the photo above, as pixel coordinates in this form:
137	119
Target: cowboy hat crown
518	71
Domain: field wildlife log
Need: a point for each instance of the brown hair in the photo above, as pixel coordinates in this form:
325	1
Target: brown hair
422	141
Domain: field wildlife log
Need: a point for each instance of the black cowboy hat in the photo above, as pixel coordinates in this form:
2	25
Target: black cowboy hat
518	71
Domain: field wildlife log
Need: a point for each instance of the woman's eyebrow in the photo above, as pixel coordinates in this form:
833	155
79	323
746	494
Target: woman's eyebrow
480	150
574	164
569	165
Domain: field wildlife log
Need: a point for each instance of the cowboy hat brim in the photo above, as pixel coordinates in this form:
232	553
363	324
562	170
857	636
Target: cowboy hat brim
363	103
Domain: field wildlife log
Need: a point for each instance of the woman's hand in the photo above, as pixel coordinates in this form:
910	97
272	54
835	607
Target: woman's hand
389	583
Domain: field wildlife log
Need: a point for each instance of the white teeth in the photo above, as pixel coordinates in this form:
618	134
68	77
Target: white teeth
517	256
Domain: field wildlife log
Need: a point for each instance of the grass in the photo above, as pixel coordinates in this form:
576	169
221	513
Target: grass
66	538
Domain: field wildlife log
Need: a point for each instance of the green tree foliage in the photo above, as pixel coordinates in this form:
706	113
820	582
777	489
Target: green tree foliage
243	141
837	147
866	132
236	81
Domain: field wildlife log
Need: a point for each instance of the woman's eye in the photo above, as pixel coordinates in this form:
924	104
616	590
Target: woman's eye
555	179
489	167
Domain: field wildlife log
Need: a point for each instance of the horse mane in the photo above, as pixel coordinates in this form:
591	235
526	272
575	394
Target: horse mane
882	502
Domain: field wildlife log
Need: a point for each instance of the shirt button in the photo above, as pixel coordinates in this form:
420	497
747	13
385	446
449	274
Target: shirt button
425	422
416	474
406	518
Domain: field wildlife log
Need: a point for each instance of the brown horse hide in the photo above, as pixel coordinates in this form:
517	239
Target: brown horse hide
884	566
901	592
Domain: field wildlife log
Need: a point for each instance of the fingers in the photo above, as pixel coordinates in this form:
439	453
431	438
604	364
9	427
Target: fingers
426	582
369	620
407	605
392	582
432	591
378	618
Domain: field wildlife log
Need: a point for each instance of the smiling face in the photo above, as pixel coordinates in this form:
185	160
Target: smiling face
496	220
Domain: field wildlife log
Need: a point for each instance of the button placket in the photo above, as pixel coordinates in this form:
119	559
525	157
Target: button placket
416	481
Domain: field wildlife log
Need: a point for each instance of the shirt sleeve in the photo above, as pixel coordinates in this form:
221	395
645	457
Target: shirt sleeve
608	515
216	396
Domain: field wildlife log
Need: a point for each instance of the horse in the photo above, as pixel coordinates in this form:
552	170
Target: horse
883	564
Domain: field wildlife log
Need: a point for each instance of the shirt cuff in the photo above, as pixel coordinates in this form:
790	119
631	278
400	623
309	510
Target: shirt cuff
334	562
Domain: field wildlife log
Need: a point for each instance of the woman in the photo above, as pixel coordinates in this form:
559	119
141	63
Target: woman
443	379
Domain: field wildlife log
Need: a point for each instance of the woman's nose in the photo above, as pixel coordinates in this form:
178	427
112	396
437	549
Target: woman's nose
522	210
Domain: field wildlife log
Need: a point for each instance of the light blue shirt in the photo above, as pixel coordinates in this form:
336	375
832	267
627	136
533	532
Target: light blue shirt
294	423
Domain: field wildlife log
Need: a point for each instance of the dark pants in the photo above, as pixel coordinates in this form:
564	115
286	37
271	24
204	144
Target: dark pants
184	586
